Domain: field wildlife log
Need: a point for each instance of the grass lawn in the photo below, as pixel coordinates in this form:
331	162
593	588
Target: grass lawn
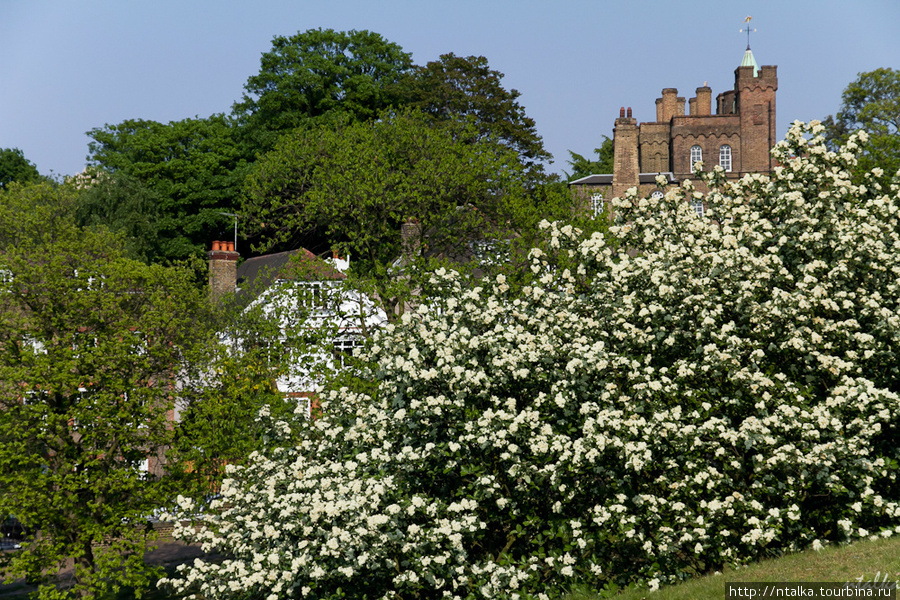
872	560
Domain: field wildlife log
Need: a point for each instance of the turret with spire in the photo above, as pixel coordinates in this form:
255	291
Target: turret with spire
754	89
749	60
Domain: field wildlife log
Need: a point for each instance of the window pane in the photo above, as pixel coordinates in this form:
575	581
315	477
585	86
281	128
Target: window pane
725	157
343	347
696	155
697	205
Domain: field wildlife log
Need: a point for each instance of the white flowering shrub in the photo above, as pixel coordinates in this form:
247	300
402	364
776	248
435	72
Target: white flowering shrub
699	391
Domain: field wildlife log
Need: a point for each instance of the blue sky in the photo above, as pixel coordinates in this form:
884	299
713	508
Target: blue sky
68	66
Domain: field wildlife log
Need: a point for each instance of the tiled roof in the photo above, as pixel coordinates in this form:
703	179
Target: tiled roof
260	272
607	179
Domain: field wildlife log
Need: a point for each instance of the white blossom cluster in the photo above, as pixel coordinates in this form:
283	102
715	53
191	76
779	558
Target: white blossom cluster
688	392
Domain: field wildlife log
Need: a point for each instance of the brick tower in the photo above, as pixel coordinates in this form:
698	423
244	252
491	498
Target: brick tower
738	136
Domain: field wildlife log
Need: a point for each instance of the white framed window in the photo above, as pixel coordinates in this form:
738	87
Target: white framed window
696	155
697	205
725	157
596	204
343	347
487	252
35	398
317	296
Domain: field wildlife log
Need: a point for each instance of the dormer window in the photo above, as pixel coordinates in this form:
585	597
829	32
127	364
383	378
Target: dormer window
696	155
725	157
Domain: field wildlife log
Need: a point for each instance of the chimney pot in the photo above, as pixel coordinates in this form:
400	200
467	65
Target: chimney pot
629	112
222	269
622	112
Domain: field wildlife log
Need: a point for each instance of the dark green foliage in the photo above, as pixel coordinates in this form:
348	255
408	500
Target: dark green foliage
454	87
192	168
871	102
315	73
123	204
15	167
582	166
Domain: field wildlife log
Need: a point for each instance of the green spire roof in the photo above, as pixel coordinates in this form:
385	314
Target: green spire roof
750	61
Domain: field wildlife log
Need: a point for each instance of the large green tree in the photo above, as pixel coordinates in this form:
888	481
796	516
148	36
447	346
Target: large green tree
194	168
315	73
871	102
92	344
359	182
319	78
257	345
15	167
124	205
455	86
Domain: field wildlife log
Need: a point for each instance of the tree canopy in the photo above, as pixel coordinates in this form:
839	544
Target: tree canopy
455	87
359	182
317	80
15	167
193	168
871	102
317	72
124	205
91	346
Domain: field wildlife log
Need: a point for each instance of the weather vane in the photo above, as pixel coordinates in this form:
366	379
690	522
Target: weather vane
748	30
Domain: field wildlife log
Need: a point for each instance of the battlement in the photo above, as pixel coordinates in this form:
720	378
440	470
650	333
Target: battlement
765	77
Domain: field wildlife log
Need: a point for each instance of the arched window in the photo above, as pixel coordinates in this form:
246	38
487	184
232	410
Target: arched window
697	205
696	155
596	204
725	157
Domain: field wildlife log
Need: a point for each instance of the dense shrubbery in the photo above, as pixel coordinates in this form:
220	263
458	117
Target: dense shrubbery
725	389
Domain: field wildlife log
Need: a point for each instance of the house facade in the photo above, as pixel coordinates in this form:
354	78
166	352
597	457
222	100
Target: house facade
296	285
735	131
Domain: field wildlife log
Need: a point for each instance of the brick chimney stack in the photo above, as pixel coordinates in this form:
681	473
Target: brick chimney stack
703	106
222	269
625	156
